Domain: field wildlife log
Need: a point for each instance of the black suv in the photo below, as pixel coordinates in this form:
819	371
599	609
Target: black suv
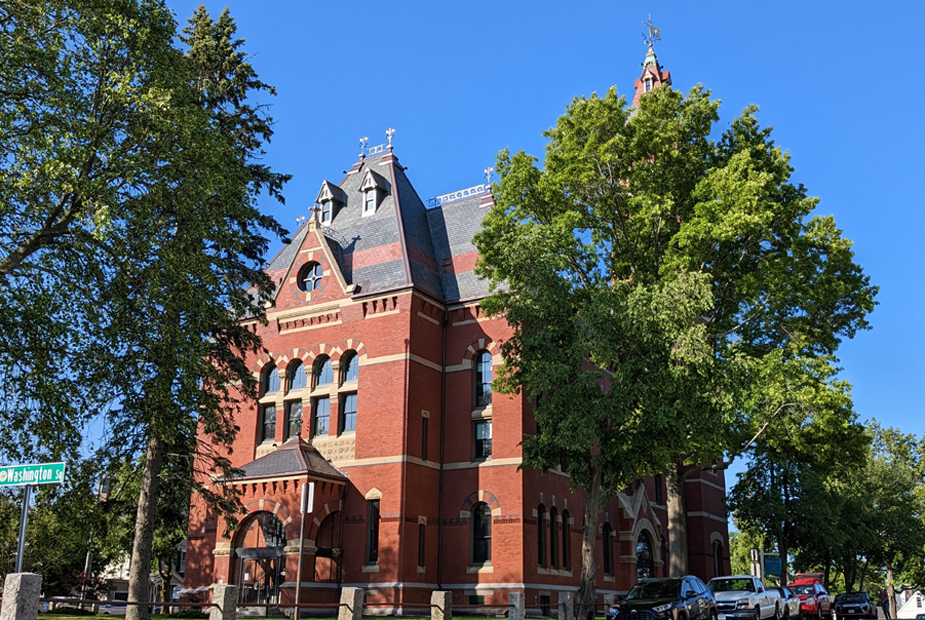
855	605
686	598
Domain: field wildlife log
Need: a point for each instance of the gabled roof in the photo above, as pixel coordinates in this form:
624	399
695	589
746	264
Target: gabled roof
294	457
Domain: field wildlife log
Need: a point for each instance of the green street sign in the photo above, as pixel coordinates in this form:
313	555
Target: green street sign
42	473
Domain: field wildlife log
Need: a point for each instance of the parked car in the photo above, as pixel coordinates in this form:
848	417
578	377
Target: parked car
686	598
814	600
855	605
112	610
744	597
790	602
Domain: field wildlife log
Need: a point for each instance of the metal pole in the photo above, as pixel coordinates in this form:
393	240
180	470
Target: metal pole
27	495
306	506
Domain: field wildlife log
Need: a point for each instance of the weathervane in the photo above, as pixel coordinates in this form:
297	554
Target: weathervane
488	172
363	142
388	134
655	34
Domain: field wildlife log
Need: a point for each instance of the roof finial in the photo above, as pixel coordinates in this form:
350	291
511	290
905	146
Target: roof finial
488	172
654	34
388	134
363	142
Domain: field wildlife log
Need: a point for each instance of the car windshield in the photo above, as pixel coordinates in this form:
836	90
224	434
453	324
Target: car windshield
732	585
854	597
805	589
660	588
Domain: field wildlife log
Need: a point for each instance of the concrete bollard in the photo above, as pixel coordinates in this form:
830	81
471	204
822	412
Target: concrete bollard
21	592
226	597
566	606
351	604
441	605
518	601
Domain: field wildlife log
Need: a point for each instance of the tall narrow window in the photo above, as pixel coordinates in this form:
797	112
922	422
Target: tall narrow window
296	374
648	84
420	544
717	558
324	375
424	422
268	423
553	538
270	379
293	419
369	202
566	542
541	535
482	433
349	415
326	211
372	533
643	556
481	534
322	417
483	379
659	479
608	550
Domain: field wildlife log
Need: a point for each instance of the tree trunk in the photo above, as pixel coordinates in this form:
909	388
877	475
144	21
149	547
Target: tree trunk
587	592
891	591
139	579
677	522
783	542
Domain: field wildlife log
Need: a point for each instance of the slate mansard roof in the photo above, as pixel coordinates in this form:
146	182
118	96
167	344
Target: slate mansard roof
403	243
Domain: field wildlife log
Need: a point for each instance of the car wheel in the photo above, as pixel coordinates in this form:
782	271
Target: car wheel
777	613
713	615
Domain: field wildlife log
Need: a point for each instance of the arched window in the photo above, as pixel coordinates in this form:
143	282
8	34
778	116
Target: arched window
541	535
324	375
607	547
566	543
350	367
718	559
310	277
296	375
481	534
269	381
482	379
643	556
553	538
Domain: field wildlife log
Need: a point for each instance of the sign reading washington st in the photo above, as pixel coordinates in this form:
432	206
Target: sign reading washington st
42	473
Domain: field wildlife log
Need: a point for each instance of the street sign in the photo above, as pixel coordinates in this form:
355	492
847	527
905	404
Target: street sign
42	473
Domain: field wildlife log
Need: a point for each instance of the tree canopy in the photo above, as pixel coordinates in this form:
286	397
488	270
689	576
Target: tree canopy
658	278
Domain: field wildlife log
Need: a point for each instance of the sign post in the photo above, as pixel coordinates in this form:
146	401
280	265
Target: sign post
27	476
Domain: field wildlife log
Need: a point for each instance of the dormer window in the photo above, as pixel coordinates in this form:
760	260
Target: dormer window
374	187
648	84
369	202
330	199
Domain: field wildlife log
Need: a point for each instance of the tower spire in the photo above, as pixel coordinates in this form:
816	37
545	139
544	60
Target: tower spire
652	74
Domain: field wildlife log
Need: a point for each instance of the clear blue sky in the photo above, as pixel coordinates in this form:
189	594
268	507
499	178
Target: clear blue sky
841	82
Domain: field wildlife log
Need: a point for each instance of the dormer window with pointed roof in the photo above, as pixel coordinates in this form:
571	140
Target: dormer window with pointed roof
374	188
330	199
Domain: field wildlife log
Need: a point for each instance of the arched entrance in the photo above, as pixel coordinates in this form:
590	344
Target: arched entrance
259	562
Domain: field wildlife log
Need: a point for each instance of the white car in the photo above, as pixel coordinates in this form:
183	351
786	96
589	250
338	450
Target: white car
744	597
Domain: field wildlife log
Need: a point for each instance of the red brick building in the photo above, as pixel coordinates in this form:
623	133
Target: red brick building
375	388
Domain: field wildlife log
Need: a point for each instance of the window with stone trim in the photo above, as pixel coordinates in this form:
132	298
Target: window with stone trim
718	558
348	412
321	416
310	276
293	419
481	431
295	376
541	535
267	423
566	542
324	373
481	534
607	548
644	562
372	532
553	538
483	377
269	380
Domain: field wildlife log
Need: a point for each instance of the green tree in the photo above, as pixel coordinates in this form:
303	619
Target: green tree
653	275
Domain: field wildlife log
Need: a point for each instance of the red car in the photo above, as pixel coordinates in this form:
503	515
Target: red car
814	600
